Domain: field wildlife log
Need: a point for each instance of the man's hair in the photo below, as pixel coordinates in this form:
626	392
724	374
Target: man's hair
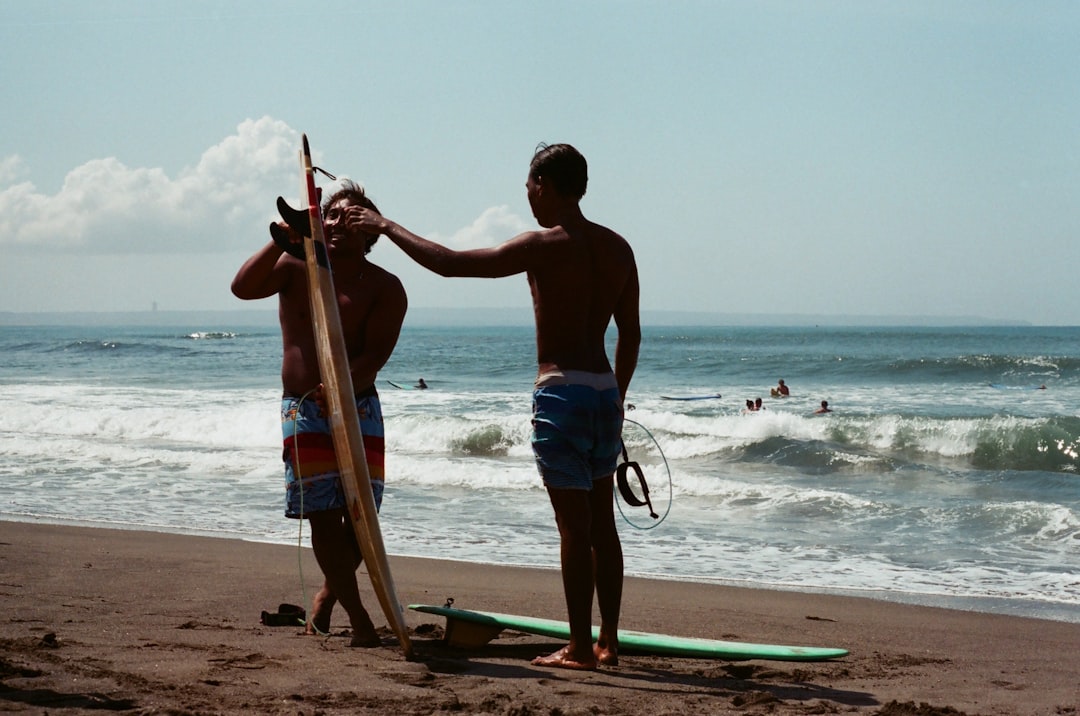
354	193
561	166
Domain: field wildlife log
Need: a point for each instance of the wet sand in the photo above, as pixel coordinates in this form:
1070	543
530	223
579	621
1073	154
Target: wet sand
149	623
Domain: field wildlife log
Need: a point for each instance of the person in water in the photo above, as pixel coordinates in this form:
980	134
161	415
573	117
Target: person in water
372	304
421	385
824	408
581	275
781	390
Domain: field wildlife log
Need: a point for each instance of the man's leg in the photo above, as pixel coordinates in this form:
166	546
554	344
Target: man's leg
607	569
332	542
321	608
572	514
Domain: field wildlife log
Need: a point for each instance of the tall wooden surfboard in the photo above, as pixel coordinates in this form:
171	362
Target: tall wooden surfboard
344	420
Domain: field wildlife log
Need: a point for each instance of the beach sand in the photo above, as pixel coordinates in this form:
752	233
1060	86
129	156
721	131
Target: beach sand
148	623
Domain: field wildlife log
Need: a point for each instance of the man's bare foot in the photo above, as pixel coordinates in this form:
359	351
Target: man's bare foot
606	648
318	624
321	608
366	641
564	659
606	655
364	633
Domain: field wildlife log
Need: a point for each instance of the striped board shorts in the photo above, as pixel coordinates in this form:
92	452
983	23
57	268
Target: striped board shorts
312	478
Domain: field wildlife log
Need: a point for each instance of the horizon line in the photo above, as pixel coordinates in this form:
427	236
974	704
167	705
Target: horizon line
521	316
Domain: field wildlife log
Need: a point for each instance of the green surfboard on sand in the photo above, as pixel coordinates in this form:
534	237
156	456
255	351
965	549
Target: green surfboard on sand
466	628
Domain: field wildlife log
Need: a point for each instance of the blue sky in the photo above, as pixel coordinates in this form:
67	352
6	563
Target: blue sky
818	158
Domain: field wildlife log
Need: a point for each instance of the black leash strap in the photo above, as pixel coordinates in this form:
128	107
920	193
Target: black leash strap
624	486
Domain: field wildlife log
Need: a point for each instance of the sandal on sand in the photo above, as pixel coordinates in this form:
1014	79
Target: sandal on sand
286	615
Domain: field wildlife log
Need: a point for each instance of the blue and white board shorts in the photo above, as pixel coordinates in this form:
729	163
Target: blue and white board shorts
577	428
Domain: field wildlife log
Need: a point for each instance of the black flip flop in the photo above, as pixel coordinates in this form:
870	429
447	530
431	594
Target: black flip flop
286	615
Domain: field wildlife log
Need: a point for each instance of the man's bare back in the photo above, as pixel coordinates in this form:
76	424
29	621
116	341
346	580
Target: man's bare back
577	281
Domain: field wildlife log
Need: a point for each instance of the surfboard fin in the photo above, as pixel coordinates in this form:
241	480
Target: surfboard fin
465	633
285	243
298	219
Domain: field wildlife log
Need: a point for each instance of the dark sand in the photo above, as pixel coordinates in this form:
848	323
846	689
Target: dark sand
137	622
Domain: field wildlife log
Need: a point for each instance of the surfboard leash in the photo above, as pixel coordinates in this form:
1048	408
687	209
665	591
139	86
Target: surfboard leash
624	486
624	489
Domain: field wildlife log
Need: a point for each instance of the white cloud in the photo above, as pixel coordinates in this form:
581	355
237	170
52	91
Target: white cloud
492	227
107	207
11	168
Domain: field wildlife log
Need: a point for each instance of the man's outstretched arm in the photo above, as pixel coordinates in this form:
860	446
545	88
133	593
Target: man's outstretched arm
506	259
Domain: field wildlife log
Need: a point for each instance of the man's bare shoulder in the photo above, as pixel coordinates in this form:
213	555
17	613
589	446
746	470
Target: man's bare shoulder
378	275
536	245
601	230
610	240
534	236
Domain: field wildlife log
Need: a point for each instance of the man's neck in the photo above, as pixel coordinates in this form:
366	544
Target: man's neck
569	216
349	269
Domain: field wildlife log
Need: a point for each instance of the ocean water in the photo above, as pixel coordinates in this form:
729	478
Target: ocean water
943	476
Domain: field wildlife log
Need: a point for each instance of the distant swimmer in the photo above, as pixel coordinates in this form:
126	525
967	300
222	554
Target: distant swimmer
758	405
780	391
824	408
421	385
749	406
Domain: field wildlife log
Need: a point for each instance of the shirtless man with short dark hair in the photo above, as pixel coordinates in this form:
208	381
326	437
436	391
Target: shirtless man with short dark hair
582	275
372	305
